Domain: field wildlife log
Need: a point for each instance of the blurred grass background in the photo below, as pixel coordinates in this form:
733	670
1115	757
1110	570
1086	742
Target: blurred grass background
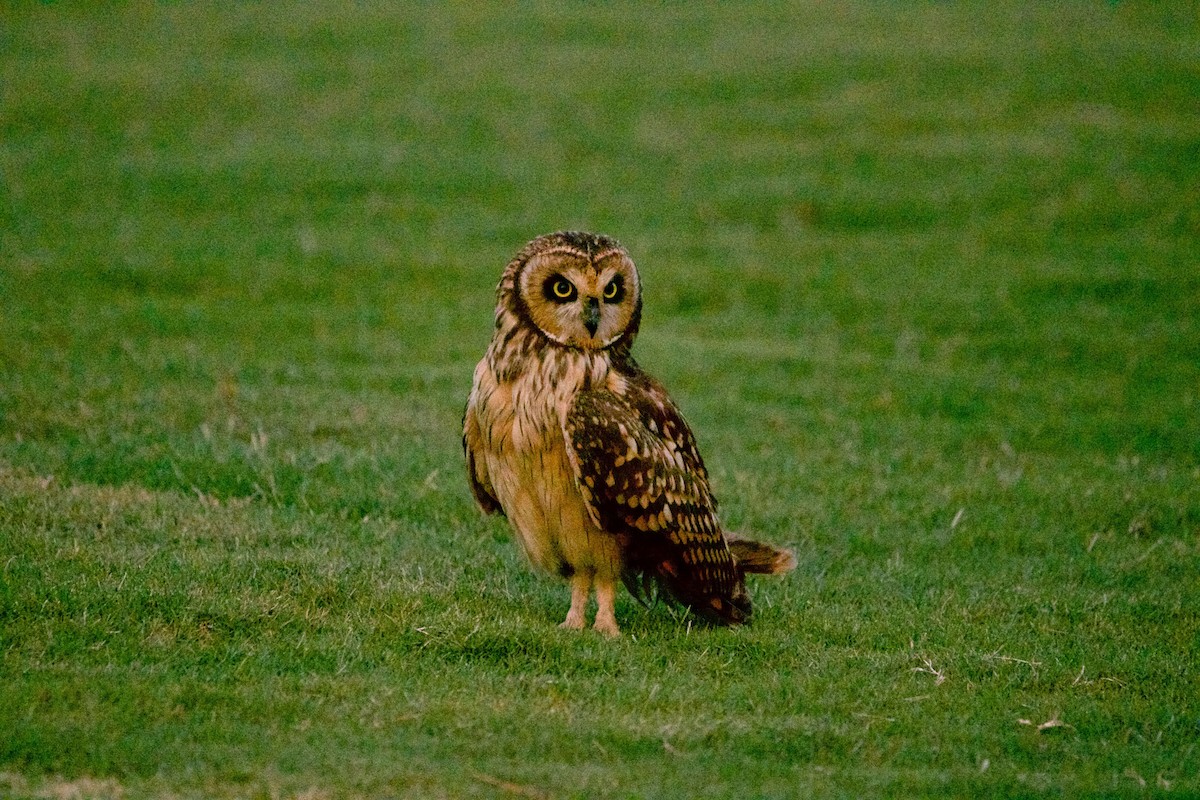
923	277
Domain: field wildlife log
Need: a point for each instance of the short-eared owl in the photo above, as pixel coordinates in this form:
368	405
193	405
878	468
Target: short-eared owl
585	453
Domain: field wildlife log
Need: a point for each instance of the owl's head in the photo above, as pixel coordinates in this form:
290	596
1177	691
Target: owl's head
577	289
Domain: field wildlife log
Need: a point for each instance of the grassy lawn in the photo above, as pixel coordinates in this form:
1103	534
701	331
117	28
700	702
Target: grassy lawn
924	277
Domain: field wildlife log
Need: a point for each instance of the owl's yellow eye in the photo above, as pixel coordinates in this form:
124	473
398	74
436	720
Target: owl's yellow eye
560	289
615	290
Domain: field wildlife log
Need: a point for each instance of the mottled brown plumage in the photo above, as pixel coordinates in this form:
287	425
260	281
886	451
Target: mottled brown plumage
585	453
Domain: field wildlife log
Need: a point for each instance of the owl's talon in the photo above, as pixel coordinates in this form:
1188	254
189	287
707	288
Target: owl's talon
571	623
606	615
581	584
607	627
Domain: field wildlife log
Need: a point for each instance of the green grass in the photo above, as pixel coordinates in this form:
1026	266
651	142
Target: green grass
924	277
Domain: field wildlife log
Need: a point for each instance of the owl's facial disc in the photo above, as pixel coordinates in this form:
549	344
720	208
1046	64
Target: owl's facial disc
578	301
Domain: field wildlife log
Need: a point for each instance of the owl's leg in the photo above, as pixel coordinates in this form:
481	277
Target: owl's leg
606	614
581	584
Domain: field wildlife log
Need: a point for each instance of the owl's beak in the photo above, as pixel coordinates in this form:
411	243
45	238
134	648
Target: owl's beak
591	315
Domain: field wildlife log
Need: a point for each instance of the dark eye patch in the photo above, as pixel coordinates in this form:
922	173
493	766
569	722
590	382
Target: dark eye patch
559	290
614	292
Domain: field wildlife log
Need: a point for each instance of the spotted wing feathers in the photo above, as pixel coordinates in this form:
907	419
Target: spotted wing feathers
641	476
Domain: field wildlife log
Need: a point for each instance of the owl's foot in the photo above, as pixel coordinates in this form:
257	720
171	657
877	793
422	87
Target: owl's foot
572	623
606	615
581	585
607	626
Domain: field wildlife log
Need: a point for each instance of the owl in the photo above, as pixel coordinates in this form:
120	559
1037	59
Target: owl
586	454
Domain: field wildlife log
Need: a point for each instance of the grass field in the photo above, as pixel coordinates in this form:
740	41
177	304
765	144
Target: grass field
924	277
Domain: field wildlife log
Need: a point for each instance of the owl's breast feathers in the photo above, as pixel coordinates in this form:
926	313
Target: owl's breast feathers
643	480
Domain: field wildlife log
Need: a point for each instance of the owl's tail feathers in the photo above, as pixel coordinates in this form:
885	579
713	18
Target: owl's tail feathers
760	557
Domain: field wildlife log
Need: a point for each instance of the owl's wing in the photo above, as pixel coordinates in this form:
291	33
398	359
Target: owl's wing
640	473
477	475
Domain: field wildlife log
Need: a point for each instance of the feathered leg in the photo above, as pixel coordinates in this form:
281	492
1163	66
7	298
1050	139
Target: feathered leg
606	613
581	584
